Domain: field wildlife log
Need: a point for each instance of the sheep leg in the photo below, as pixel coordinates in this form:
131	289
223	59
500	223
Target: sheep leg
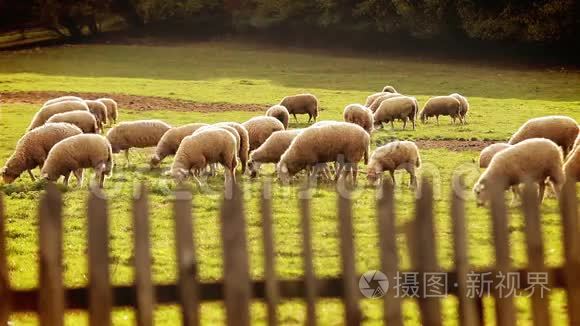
31	175
354	173
79	175
392	172
309	117
542	189
413	181
413	122
393	124
437	119
405	123
295	118
66	177
339	168
127	157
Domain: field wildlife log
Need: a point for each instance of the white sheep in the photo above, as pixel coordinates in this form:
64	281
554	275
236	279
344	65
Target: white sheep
441	105
560	129
360	115
62	99
244	142
301	104
379	100
533	160
82	119
389	89
464	105
32	149
136	134
260	128
271	150
112	109
169	142
572	165
393	156
489	152
99	110
398	108
48	111
279	112
76	153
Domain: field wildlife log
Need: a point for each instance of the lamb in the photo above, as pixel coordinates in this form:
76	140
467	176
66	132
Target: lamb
519	163
62	99
341	142
394	156
572	165
562	130
389	89
271	150
279	112
48	111
360	115
139	134
169	142
212	145
464	105
32	149
260	128
99	110
82	119
379	100
244	142
112	109
402	108
489	152
301	104
441	105
77	153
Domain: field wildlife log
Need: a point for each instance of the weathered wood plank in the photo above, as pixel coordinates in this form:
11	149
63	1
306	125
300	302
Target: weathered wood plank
310	282
571	230
4	277
270	279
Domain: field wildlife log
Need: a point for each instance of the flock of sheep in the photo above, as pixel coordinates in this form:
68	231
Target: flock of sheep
63	138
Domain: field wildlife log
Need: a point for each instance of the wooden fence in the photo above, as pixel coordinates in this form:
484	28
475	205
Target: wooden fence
51	299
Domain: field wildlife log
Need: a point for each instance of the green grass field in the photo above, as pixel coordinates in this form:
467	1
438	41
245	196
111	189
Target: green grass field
501	99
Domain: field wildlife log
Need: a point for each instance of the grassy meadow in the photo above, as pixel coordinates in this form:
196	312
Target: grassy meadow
501	99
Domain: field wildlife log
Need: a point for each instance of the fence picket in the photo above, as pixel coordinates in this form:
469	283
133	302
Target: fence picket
310	282
535	246
571	232
426	257
468	308
271	295
145	295
505	311
4	277
236	261
186	260
100	294
389	252
350	281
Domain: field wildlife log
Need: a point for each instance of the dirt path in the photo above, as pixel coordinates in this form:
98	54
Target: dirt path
133	102
455	145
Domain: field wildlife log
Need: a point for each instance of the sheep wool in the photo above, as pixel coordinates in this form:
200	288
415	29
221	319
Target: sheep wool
398	108
360	115
136	134
398	155
560	129
489	152
62	99
301	104
99	110
112	109
379	100
441	105
389	89
244	142
572	165
60	107
279	112
32	149
76	153
464	105
272	149
82	119
260	128
170	141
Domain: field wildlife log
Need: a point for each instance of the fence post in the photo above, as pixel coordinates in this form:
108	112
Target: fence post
272	292
570	226
389	253
186	260
237	290
310	282
468	310
535	246
426	255
145	293
100	295
51	295
4	277
349	278
504	306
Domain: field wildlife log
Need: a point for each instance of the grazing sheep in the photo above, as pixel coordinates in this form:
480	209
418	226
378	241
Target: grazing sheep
389	89
139	134
360	115
279	112
169	143
371	98
301	104
229	129
394	156
48	111
32	149
244	142
379	100
271	150
441	105
99	110
77	153
403	108
532	160
572	165
260	128
62	99
464	105
196	152
112	109
489	152
82	119
341	142
560	129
